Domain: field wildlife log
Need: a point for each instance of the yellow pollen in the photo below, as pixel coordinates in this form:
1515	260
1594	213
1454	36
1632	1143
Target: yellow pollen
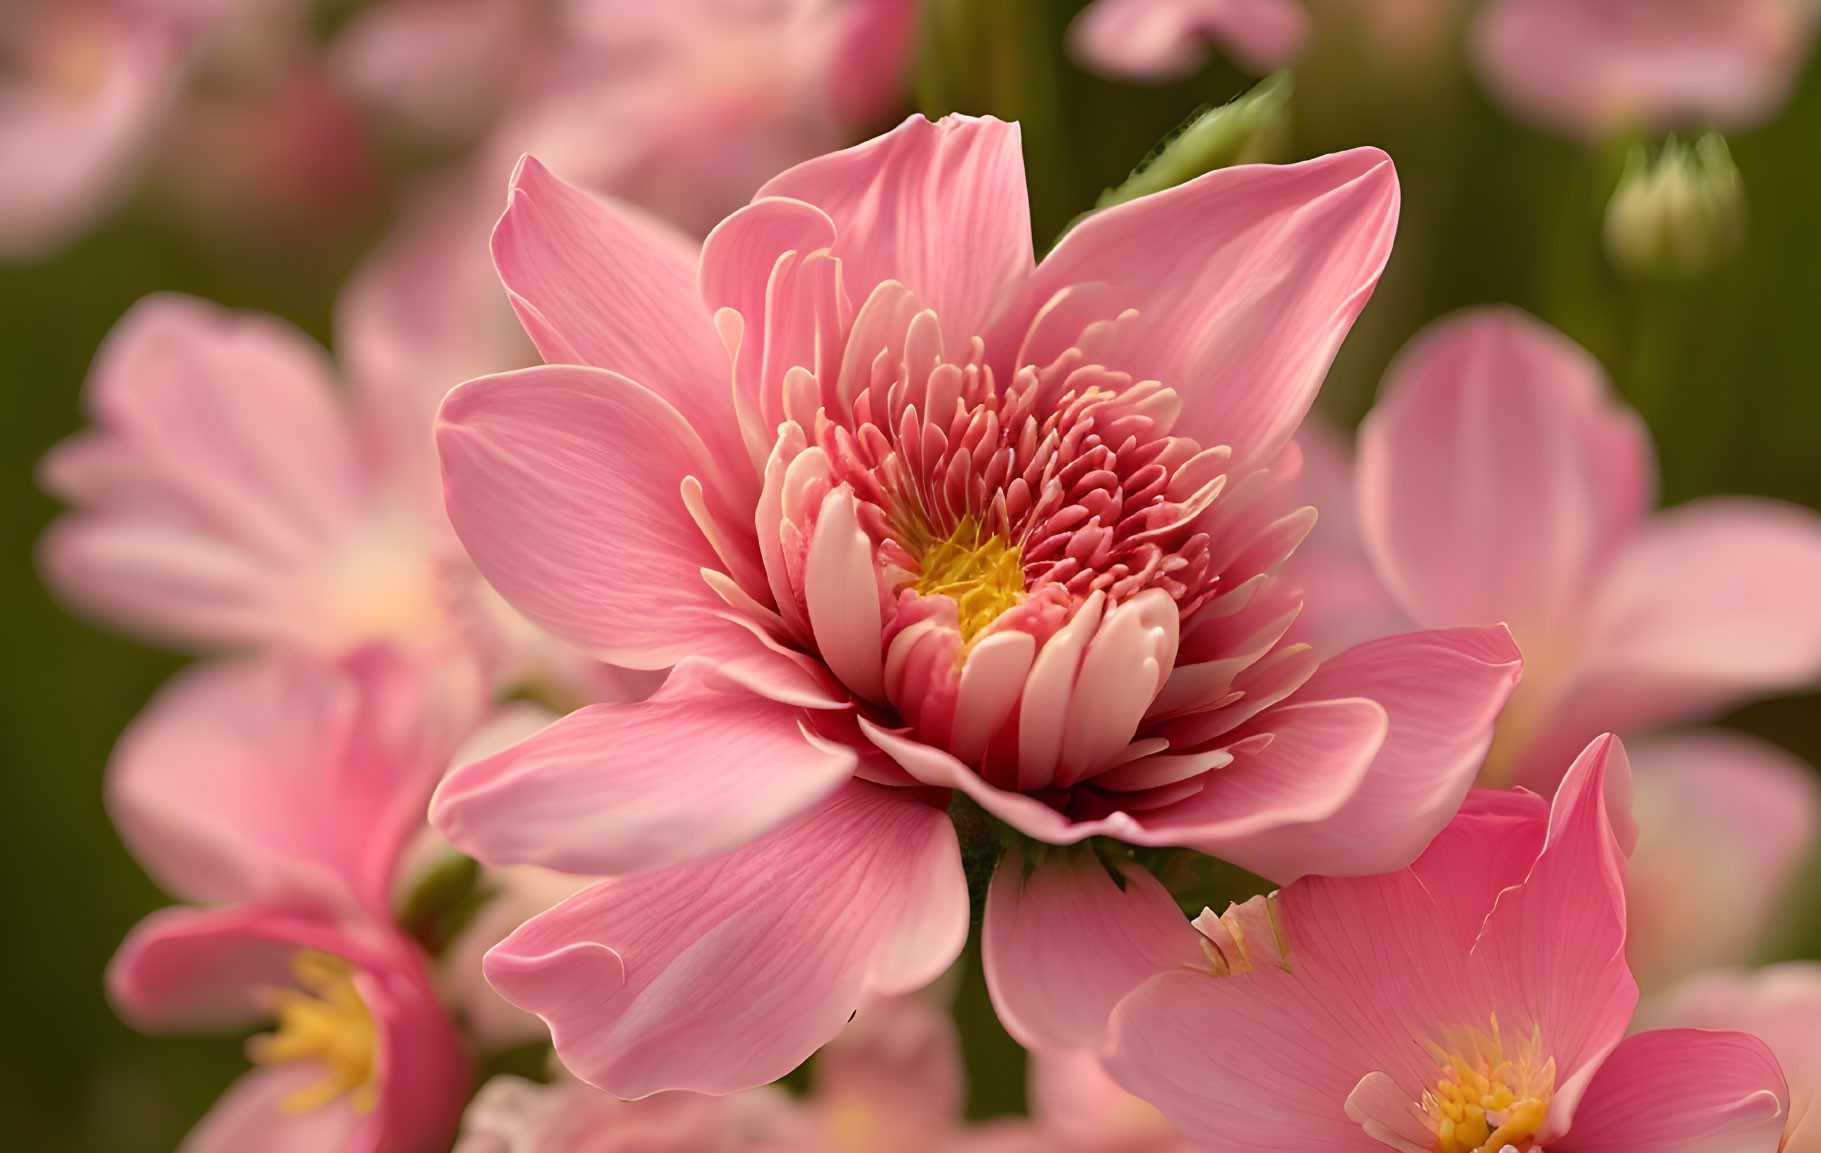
326	1022
982	572
1486	1100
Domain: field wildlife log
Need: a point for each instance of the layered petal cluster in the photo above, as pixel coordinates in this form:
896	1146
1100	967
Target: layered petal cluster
277	794
912	515
1475	1001
1591	67
1158	40
1782	1005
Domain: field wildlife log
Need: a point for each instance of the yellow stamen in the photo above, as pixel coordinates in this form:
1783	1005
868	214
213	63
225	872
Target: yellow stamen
982	572
1485	1099
326	1022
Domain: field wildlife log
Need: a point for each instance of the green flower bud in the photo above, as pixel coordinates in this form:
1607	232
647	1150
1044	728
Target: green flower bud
1678	216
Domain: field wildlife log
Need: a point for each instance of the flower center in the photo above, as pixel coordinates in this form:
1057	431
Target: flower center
1485	1101
324	1021
981	571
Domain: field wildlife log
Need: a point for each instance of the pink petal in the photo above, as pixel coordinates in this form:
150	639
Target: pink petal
283	778
221	471
1160	40
1780	1004
1683	1091
693	772
248	1116
564	484
1496	475
1063	942
1723	822
606	285
1553	947
185	968
939	207
897	1063
1442	691
722	975
1079	1106
1714	601
1245	281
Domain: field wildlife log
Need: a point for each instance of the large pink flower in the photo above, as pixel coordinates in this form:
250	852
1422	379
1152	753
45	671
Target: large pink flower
1589	67
279	793
1159	40
1781	1004
1475	1001
1498	480
959	523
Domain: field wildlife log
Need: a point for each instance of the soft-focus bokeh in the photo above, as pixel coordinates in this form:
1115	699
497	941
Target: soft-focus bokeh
1727	370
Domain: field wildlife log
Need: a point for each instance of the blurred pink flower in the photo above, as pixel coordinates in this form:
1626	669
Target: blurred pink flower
989	598
1591	67
229	495
1781	1004
1159	40
1475	1001
1077	1108
1499	481
86	82
684	107
279	792
1724	820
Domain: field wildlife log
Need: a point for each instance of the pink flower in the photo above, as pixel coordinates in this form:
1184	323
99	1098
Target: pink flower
963	523
1476	1000
1781	1004
1724	821
278	793
94	76
230	496
1079	1109
1590	67
1159	40
1498	480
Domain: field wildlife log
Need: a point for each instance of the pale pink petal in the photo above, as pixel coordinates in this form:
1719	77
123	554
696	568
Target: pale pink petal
221	471
186	968
283	778
1063	941
1683	1091
1267	810
1713	602
939	207
1245	281
1553	948
693	772
725	974
606	285
1442	691
248	1116
1782	1005
439	67
1592	67
1497	475
1723	822
1160	40
565	485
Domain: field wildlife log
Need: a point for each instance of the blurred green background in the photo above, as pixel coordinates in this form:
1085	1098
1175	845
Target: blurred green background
1725	372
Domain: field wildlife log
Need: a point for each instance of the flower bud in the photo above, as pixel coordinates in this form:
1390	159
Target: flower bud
1679	215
